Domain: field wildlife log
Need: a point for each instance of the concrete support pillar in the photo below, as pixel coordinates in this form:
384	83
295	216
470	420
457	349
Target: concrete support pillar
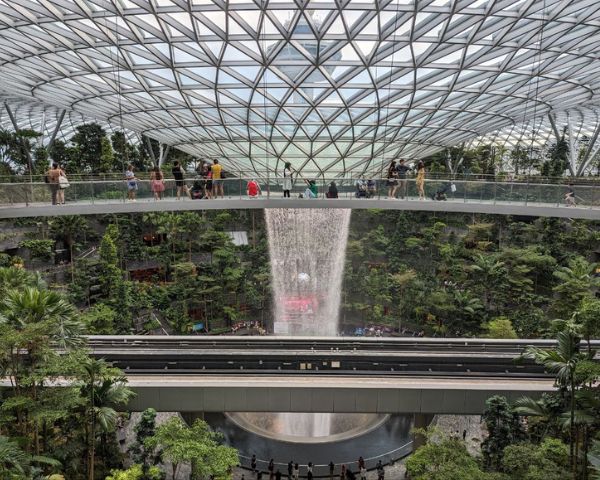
420	420
191	417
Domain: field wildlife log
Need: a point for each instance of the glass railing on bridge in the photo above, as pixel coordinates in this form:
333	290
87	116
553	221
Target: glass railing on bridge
117	190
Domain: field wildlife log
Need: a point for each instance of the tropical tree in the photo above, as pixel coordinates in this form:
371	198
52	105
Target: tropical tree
576	283
563	362
197	445
102	388
443	459
503	428
488	276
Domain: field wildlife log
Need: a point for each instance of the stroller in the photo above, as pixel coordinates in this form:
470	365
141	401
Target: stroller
361	189
440	193
197	190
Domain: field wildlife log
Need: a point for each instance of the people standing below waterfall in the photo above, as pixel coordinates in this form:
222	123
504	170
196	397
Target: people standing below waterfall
361	462
363	473
253	463
420	180
296	473
380	471
271	469
331	469
343	473
278	475
290	469
309	473
392	179
287	180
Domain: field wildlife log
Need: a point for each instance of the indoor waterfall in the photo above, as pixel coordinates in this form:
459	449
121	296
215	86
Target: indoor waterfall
307	251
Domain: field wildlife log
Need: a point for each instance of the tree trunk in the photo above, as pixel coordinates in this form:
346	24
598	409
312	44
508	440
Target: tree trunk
572	428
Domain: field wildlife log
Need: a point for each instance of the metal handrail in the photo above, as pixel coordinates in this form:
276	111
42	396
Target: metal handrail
478	191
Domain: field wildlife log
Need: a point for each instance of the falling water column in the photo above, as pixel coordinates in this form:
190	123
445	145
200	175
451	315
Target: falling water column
307	249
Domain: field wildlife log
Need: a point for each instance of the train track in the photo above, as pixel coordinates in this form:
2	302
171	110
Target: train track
267	356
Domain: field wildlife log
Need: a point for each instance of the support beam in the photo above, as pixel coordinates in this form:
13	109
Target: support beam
150	150
164	152
588	154
59	121
23	146
572	149
420	421
553	124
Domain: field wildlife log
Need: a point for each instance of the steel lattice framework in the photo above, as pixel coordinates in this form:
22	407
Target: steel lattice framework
330	86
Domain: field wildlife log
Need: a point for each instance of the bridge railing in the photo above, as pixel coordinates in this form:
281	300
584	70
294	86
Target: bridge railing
468	191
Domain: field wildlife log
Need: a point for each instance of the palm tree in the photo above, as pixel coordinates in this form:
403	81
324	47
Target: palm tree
563	361
52	314
102	389
13	460
15	278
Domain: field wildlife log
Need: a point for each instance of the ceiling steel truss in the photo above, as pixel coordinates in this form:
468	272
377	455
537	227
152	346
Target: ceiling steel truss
329	86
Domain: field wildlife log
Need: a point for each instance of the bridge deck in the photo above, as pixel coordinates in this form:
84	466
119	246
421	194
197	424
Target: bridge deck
503	198
497	207
329	394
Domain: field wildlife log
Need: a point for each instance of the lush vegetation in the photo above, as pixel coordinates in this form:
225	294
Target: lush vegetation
450	275
59	410
90	150
552	438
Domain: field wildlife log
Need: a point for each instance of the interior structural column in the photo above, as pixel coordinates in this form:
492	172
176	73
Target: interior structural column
191	417
420	420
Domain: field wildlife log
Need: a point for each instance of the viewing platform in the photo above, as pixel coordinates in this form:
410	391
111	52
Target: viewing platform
90	197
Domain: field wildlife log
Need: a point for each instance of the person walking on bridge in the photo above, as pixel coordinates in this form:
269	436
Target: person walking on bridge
177	172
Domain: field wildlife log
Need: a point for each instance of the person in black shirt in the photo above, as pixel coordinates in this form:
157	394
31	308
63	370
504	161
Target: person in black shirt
177	172
402	169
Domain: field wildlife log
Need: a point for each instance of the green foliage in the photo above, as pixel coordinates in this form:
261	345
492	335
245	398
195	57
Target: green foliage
135	473
145	429
548	460
197	445
500	327
503	428
447	459
41	249
100	319
576	284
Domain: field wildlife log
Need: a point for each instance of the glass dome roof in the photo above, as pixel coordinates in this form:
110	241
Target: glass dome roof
328	86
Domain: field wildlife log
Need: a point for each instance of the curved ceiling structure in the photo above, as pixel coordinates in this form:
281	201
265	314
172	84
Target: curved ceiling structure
329	86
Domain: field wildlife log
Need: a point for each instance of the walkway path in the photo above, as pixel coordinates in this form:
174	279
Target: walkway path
499	207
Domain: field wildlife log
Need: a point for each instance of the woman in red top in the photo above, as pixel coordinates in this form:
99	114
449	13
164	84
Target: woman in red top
253	189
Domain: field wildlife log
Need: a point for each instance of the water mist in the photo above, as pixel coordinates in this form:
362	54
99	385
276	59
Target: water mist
307	249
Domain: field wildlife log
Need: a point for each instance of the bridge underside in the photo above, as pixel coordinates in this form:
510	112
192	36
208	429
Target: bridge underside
484	207
347	394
